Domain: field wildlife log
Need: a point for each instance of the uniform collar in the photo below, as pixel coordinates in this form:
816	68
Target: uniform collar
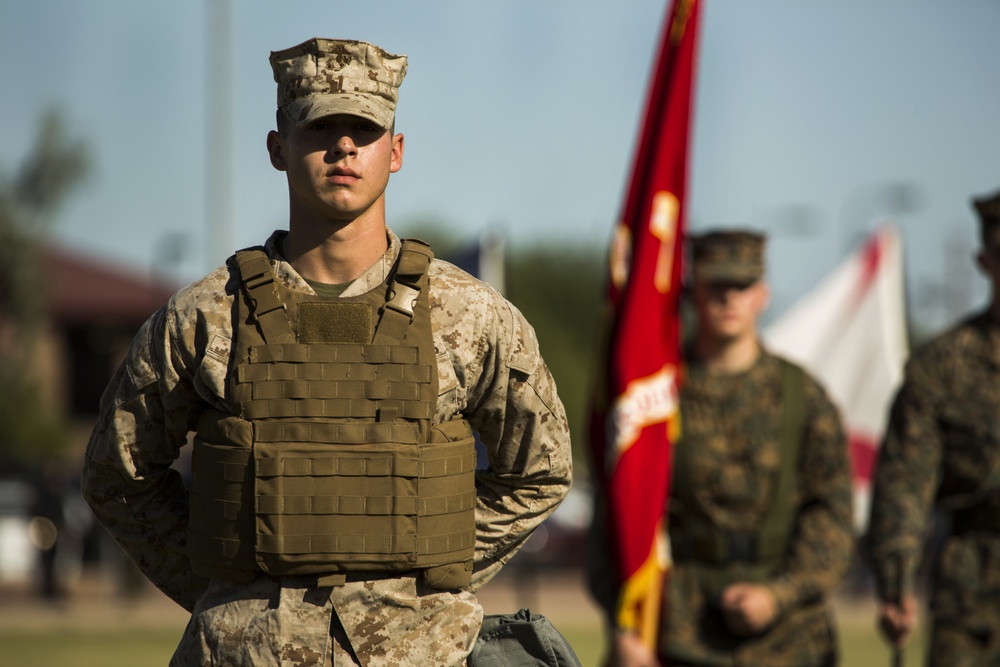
367	281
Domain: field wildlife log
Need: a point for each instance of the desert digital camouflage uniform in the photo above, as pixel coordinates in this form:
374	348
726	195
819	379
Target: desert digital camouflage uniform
731	428
489	370
943	448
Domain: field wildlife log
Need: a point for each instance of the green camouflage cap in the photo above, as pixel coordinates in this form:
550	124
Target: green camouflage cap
727	256
323	77
988	208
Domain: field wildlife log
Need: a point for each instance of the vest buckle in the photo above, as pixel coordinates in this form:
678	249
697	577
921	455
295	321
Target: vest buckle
402	299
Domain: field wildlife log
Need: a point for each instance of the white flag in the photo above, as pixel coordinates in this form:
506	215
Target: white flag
850	333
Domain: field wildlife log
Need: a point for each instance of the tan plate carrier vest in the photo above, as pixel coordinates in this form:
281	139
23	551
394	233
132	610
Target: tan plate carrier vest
333	464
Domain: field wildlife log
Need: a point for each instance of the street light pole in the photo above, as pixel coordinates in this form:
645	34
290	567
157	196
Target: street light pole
218	95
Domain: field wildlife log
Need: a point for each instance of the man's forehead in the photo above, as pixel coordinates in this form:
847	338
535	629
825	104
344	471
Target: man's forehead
738	285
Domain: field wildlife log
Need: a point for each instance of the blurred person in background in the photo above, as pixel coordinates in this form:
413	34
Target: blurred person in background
760	508
48	529
332	378
942	452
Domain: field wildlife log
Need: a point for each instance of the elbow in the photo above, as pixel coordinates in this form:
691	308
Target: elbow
560	478
97	487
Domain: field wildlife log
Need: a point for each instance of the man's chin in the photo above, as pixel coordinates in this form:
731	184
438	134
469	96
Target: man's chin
727	336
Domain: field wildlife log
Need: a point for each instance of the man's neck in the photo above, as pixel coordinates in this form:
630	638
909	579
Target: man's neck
727	357
334	254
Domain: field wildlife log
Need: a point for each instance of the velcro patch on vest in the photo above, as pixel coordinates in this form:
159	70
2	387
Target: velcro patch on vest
327	322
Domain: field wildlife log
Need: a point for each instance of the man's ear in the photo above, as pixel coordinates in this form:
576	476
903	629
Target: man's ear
276	150
763	296
396	158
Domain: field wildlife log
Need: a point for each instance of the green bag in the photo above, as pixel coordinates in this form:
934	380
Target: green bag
521	640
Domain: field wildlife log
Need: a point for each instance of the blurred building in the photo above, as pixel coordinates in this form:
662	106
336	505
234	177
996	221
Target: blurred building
93	309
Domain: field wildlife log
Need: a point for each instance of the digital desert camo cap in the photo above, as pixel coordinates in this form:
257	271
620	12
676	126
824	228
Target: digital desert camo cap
322	77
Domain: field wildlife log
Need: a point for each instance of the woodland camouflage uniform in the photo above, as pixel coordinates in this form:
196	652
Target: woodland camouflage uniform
731	429
732	457
942	450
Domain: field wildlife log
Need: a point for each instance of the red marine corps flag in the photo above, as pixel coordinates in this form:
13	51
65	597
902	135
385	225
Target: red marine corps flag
635	418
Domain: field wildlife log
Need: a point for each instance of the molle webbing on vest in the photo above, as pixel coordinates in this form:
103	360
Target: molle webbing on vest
391	511
333	464
693	534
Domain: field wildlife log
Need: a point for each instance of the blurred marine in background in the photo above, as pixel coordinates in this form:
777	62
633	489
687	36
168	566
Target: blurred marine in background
942	452
332	379
760	507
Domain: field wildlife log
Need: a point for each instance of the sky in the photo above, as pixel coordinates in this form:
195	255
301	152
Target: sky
814	121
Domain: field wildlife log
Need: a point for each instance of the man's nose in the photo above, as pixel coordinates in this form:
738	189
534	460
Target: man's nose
724	294
344	145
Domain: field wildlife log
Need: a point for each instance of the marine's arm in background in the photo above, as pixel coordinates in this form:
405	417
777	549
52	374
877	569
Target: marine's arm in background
905	482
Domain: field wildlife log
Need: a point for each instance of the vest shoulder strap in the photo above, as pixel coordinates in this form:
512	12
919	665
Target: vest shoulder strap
405	285
775	530
266	307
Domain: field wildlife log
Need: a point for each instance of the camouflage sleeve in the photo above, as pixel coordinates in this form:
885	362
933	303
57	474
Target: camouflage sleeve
905	479
823	537
514	407
128	481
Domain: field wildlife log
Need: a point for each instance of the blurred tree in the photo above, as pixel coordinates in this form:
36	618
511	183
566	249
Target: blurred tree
560	290
30	199
442	239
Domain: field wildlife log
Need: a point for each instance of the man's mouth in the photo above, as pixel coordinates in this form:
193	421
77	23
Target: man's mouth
343	175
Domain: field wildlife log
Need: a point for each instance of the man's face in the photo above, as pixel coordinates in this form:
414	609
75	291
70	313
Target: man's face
337	166
729	311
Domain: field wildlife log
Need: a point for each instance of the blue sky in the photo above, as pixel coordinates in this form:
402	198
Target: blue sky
524	114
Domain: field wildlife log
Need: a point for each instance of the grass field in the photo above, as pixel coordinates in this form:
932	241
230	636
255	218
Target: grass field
859	647
100	647
96	630
150	647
